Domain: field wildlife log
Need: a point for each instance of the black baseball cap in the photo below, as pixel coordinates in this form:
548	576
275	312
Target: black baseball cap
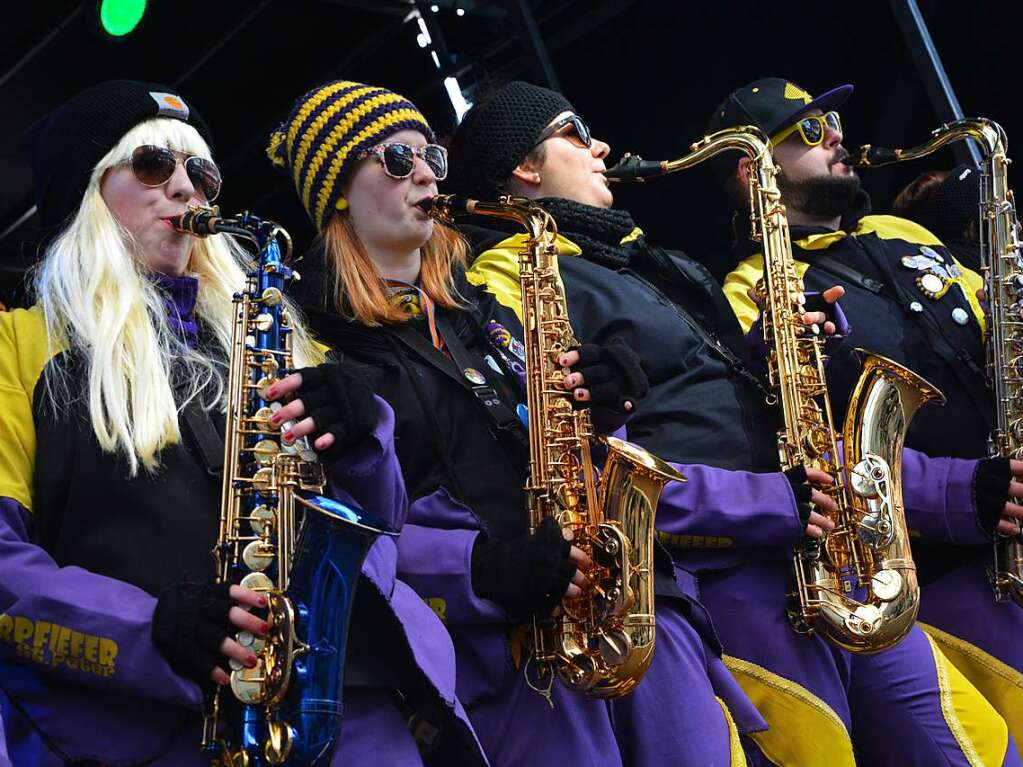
773	104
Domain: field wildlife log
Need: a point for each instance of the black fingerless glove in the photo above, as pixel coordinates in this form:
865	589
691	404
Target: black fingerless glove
991	491
340	401
801	490
613	374
524	575
189	625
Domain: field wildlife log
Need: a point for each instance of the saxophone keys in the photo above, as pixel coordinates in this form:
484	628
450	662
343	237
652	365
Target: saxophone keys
265	451
247	684
265	383
271	297
263	479
261	519
261	418
865	620
886	585
263	322
258	582
614	646
258	555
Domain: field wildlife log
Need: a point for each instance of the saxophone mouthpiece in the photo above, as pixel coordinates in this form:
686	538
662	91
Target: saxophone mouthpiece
633	168
199	222
449	205
872	155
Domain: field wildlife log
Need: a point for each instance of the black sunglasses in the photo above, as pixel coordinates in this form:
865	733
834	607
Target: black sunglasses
580	129
399	159
154	165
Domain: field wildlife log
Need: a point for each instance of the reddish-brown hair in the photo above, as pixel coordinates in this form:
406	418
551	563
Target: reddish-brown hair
359	291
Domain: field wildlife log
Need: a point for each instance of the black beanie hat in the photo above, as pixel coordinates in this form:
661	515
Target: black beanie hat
497	134
948	208
65	146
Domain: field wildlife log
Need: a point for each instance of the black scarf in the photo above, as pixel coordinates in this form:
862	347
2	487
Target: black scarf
598	231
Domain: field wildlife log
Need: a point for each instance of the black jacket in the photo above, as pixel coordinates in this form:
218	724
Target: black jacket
702	407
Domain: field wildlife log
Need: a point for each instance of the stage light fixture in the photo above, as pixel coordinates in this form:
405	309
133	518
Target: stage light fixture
120	17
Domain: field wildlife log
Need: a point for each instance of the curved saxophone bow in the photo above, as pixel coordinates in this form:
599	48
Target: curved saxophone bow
1002	269
602	643
278	535
857	587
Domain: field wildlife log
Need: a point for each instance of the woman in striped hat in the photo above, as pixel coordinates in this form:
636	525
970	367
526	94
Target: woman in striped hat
394	304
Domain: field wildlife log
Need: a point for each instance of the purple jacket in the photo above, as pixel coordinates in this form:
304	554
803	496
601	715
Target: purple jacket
76	651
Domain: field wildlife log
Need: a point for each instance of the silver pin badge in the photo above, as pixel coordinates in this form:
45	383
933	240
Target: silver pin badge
959	316
916	306
474	375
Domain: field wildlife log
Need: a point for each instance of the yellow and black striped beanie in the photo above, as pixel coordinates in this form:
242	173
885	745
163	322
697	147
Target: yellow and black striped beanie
327	128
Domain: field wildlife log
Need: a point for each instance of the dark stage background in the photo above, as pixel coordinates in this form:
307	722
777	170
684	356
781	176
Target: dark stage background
645	75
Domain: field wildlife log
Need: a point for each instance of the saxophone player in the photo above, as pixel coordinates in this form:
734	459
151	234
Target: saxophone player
704	411
909	299
111	626
387	292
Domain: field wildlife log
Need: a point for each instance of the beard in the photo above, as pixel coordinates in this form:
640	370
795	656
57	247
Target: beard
824	195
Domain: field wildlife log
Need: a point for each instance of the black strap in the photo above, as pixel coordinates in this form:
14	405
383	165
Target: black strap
715	344
501	416
207	439
845	272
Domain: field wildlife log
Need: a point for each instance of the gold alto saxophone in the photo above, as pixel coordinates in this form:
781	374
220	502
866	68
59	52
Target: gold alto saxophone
278	536
601	643
857	588
1002	268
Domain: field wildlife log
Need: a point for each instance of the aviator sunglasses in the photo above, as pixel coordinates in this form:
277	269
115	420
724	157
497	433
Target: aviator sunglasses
399	159
153	166
580	129
811	129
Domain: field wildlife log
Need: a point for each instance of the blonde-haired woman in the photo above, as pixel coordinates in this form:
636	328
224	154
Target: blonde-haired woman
111	398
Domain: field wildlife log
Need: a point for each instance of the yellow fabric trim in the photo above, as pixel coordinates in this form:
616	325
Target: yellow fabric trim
636	233
377	126
498	269
895	228
978	729
316	126
23	355
999	683
738	756
745	276
804	730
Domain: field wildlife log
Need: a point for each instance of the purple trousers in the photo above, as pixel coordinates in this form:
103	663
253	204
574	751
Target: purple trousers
686	709
827	707
982	637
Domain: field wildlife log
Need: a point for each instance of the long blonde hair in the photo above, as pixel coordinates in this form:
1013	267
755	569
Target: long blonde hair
360	293
99	302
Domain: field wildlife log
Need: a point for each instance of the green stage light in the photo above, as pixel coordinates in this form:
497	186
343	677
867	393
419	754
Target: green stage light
119	17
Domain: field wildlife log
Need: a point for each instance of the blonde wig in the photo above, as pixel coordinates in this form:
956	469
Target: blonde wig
100	303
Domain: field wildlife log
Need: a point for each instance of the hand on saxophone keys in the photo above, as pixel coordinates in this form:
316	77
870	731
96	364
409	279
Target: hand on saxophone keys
1012	513
818	320
243	620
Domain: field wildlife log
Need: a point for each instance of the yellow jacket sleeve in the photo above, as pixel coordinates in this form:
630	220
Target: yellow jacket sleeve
738	283
23	354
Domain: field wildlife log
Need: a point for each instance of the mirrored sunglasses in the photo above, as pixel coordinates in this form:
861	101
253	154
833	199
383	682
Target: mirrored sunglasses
153	166
399	159
578	127
811	129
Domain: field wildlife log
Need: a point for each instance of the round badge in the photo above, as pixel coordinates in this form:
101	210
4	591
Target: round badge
932	283
959	316
916	306
474	375
932	253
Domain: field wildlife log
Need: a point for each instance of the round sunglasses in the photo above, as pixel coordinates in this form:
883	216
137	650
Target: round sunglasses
153	166
811	129
399	159
573	121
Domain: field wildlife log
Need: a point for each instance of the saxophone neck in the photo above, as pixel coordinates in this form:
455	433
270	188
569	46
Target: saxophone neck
987	134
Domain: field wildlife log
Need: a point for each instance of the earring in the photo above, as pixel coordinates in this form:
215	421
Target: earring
341	204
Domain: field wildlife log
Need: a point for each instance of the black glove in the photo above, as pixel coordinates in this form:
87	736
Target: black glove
991	491
190	623
613	374
524	575
801	490
339	399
